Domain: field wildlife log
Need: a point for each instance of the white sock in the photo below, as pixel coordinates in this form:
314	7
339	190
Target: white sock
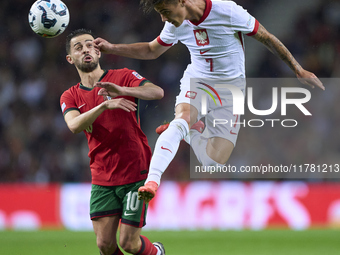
166	148
199	146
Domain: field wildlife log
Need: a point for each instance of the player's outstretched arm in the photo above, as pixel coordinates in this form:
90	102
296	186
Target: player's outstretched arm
148	91
278	49
141	50
77	121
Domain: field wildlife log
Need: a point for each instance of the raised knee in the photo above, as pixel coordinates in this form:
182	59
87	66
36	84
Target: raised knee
184	115
187	112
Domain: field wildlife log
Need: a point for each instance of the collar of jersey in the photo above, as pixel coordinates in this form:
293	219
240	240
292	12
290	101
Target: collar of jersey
205	13
81	86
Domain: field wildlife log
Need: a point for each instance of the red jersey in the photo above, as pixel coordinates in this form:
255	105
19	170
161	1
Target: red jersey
118	148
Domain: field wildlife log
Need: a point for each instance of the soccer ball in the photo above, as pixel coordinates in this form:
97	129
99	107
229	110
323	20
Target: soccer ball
48	18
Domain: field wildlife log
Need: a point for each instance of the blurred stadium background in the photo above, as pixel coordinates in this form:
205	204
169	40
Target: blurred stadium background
44	173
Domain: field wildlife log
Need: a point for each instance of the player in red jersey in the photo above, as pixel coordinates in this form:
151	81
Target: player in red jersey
213	33
104	106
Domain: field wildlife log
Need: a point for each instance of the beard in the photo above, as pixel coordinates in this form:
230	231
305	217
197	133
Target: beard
87	67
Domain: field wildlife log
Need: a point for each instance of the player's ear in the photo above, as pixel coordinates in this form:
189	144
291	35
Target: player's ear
69	59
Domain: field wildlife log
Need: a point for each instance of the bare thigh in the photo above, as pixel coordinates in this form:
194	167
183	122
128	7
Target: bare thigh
219	149
105	229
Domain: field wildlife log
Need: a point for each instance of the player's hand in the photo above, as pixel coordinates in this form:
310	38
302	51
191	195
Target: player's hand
109	89
102	45
120	103
310	79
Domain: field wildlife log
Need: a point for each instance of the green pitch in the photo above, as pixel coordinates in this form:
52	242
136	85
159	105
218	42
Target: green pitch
268	242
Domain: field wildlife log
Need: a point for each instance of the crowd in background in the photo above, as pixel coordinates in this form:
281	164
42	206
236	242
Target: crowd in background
37	146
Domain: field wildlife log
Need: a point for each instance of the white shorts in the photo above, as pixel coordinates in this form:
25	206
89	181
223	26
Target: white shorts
215	104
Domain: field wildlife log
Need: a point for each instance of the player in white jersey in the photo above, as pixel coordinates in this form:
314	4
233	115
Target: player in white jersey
213	32
209	38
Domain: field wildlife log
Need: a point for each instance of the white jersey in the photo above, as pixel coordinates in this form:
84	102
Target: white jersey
215	42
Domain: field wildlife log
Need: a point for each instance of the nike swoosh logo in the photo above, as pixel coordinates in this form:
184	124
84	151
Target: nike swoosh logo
128	214
231	132
202	52
81	106
165	149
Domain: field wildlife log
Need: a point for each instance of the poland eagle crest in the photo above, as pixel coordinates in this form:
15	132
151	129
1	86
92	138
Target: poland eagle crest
201	37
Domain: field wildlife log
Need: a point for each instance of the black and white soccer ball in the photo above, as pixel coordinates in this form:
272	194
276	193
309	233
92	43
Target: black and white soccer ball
48	18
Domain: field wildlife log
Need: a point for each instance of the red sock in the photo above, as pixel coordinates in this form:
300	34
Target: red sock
118	252
147	247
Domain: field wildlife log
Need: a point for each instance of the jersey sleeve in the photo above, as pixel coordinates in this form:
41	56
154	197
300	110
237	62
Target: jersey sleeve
67	102
132	78
167	36
242	21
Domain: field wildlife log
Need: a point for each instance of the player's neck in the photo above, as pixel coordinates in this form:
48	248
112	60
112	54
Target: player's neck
196	10
90	79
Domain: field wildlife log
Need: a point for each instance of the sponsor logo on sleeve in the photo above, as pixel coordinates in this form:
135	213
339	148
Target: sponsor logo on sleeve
63	106
137	75
249	21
